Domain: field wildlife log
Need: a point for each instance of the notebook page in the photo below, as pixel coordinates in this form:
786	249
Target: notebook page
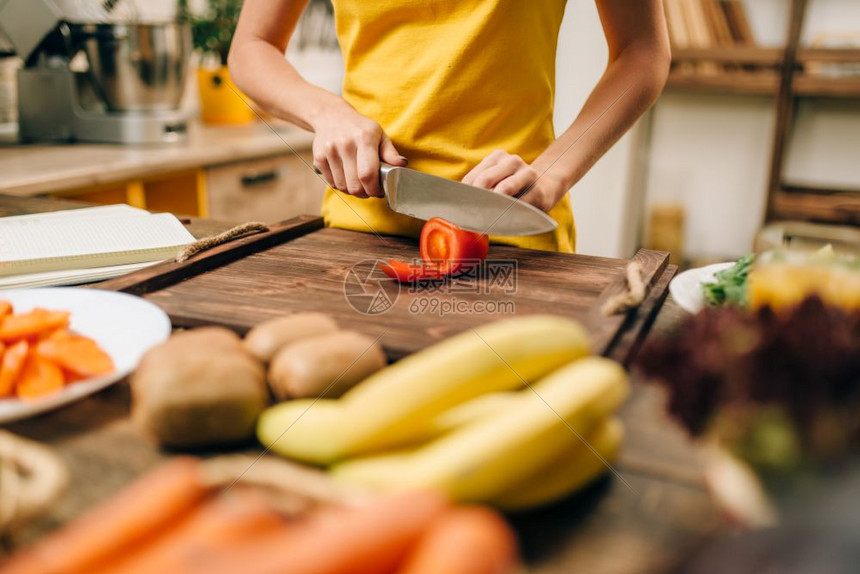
70	276
32	246
116	210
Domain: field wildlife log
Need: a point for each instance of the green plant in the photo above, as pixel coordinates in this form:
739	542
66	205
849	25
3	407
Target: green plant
213	30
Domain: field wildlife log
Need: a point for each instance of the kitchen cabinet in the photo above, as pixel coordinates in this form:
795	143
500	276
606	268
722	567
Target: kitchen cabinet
266	189
182	193
246	172
269	189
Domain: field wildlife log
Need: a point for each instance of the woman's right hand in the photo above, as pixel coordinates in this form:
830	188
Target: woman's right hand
348	148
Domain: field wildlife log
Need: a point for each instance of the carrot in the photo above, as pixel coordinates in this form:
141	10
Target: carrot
76	354
137	514
371	539
71	377
61	333
38	377
231	519
58	333
24	325
11	365
5	308
465	540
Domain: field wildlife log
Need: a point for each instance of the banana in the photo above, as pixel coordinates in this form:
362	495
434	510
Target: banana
572	471
483	460
302	422
470	411
396	405
459	415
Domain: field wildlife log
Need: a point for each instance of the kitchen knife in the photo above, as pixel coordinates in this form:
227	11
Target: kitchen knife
425	196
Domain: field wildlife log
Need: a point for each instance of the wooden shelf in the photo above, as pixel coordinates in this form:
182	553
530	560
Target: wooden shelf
763	56
818	86
766	81
829	55
809	204
763	83
811	83
731	55
784	74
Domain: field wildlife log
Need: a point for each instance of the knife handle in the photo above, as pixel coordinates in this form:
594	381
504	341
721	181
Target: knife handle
384	170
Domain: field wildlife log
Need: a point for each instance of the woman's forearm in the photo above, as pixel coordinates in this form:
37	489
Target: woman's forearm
259	68
261	71
631	84
347	146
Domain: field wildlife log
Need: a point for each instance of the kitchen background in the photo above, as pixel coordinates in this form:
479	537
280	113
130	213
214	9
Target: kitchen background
710	152
699	165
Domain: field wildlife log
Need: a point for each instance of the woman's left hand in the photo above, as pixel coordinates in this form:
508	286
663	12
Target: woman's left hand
509	174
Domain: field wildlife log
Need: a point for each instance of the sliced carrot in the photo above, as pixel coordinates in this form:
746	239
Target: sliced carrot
465	540
231	519
2	353
100	537
38	377
26	325
11	365
371	539
70	378
79	355
5	308
59	333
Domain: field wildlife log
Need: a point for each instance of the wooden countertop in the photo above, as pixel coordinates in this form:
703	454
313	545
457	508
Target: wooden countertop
646	523
34	169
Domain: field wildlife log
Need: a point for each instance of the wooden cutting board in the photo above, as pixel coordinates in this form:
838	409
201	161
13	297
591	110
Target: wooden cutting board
300	266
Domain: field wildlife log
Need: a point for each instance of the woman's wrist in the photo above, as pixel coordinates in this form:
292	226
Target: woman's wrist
325	103
553	180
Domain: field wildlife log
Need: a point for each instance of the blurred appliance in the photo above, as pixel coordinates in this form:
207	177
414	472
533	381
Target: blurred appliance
91	73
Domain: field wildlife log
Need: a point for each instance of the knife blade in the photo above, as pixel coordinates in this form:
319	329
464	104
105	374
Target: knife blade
425	196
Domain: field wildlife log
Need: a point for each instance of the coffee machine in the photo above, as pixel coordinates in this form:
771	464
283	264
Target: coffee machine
92	74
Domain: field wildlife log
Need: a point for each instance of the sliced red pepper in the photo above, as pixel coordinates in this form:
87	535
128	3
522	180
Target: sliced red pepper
456	250
411	272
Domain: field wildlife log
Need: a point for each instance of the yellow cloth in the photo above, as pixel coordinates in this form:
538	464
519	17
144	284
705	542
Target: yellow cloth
450	81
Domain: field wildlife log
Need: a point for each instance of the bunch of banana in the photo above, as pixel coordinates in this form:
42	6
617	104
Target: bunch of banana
513	413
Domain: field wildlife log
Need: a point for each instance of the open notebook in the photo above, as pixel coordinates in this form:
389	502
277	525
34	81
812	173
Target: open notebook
84	245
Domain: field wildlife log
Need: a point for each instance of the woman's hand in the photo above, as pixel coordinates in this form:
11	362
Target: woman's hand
348	148
509	174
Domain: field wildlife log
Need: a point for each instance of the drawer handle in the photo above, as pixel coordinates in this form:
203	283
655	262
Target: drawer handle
253	178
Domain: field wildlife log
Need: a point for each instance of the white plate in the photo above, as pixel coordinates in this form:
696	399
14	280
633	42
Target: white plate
123	325
686	288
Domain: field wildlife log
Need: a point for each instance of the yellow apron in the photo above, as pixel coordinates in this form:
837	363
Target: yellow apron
450	81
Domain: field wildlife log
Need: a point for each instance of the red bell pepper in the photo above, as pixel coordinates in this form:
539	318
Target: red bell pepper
446	250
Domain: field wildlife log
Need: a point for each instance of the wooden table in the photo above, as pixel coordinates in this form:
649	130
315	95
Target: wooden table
646	525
